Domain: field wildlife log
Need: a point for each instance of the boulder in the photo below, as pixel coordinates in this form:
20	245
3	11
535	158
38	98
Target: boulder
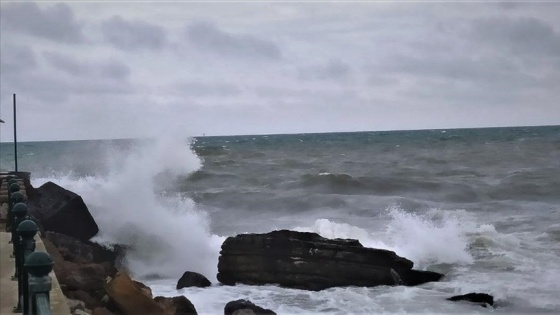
480	298
192	279
145	289
245	307
178	305
129	297
78	251
101	311
308	261
75	305
84	281
62	211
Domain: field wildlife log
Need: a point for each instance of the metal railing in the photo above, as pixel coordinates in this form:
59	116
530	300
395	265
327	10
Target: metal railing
31	268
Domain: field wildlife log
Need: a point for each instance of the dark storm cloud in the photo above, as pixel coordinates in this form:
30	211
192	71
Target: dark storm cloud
96	69
208	37
131	35
332	70
55	22
17	58
527	35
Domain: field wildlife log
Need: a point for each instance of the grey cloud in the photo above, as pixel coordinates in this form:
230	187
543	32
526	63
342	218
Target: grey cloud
56	22
281	92
47	88
332	70
131	35
111	69
17	58
66	64
475	70
115	70
198	89
208	37
519	36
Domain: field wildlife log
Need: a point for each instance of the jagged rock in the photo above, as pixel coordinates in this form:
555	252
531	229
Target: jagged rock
81	281
480	298
145	289
178	305
192	279
245	307
62	211
101	311
75	305
78	251
130	298
84	297
308	261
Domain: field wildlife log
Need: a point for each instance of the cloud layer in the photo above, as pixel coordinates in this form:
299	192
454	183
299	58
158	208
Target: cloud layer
113	70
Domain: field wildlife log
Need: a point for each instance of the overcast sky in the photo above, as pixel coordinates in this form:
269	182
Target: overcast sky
96	70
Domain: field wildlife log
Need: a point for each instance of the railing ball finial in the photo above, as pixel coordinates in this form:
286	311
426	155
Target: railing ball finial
11	180
16	197
27	229
20	210
39	264
14	187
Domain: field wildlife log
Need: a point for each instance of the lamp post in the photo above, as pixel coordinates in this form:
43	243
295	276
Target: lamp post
15	135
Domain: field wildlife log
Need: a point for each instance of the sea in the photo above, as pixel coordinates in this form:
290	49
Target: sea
481	206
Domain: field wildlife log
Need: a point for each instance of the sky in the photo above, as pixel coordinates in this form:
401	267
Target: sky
107	69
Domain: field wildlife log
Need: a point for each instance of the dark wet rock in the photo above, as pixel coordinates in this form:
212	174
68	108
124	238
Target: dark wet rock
78	251
192	279
479	298
178	305
62	211
80	279
308	261
245	307
101	311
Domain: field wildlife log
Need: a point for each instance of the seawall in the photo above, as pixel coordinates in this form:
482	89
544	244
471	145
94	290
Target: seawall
9	288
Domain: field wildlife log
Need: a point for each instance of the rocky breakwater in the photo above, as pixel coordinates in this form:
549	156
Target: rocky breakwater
91	276
308	261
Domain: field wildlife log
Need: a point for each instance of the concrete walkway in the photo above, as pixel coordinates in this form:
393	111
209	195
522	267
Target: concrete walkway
8	288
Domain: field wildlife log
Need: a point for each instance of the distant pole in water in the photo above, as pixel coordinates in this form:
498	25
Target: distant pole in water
15	134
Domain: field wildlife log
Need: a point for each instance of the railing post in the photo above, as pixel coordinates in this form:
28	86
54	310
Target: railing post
15	198
20	214
12	188
27	231
39	265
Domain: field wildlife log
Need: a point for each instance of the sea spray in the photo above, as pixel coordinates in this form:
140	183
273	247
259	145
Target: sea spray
426	239
166	234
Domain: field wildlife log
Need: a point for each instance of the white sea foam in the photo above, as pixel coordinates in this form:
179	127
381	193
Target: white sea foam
424	239
166	234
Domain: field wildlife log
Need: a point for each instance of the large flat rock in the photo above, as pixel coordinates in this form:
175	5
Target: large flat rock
308	261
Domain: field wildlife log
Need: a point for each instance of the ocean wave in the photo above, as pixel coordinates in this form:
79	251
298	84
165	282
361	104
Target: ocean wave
167	235
543	184
328	183
209	150
425	239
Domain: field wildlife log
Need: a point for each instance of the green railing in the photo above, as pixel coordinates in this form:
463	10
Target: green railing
31	268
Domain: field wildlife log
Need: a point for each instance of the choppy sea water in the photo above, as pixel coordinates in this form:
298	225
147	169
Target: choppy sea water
481	206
